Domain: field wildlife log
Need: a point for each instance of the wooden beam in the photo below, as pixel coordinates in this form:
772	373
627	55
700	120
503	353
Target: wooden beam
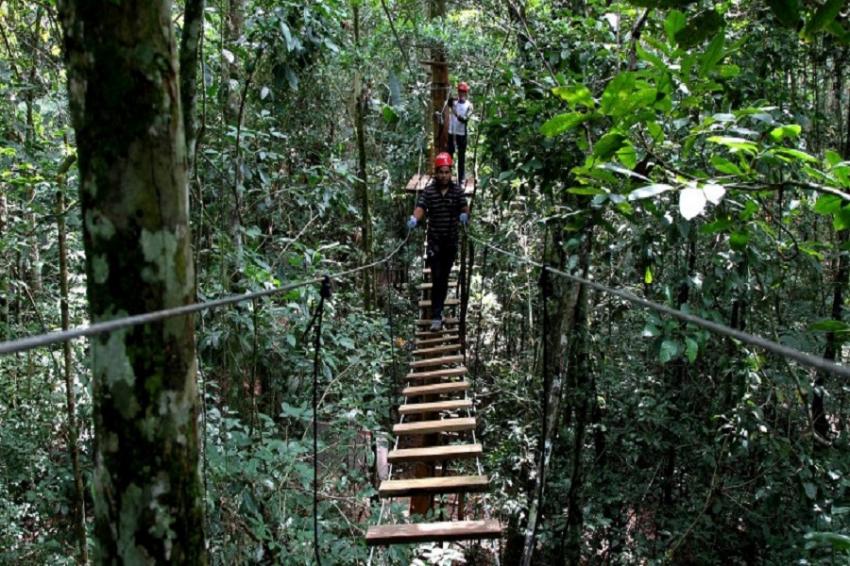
443	531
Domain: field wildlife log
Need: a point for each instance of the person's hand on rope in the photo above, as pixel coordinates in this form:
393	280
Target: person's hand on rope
464	218
412	222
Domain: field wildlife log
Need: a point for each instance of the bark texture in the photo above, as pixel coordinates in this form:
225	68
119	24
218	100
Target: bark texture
123	85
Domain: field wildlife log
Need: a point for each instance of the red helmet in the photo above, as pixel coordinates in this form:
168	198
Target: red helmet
443	160
462	87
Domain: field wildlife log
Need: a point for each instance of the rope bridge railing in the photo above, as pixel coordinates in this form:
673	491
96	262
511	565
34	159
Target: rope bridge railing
810	360
41	340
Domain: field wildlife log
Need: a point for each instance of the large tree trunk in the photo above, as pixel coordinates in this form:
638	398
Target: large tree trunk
361	100
122	70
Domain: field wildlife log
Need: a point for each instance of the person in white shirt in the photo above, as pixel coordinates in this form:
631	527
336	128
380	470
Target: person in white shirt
460	111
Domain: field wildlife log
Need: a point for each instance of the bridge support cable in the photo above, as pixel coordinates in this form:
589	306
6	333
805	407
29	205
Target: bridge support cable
806	359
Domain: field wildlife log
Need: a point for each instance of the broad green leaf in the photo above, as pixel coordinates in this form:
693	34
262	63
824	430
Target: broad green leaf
673	24
575	95
827	204
719	225
586	191
608	145
725	166
735	144
829	325
699	28
691	349
837	541
822	17
793	154
669	350
650	57
713	54
649	191
563	123
786	11
739	240
622	170
841	219
810	489
647	275
692	202
616	97
788	131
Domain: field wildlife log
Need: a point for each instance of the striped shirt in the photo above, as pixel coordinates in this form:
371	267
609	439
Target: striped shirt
442	211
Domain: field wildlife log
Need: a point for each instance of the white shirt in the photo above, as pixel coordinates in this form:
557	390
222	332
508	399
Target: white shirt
462	109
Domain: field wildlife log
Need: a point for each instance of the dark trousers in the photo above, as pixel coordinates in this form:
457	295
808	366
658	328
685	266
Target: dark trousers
441	256
459	142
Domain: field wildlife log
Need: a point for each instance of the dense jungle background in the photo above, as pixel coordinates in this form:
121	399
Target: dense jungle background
694	152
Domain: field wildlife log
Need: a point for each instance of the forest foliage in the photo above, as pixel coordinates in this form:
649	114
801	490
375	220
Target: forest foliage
695	153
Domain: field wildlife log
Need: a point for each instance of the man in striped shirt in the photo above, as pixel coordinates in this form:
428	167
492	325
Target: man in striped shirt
443	203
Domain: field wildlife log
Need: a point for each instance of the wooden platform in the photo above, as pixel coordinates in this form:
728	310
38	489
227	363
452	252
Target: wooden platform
450	372
418	182
443	531
434	407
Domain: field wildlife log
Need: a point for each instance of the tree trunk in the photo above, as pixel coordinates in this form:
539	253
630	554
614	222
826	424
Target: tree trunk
70	395
361	101
122	69
190	42
34	258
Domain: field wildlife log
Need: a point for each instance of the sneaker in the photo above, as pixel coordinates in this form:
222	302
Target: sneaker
436	325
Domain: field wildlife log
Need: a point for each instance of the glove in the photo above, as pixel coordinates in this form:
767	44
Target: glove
464	218
411	223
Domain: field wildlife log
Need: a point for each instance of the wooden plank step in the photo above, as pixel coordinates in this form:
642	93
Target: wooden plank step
443	531
437	350
431	453
458	424
448	303
429	341
446	322
435	407
428	286
445	360
450	372
429	486
429	334
435	389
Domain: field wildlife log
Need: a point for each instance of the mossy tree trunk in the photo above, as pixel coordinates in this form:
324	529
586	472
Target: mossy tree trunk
361	102
123	86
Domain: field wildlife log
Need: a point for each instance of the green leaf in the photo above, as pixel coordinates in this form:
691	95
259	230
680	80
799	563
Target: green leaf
647	275
725	166
669	351
389	114
563	123
836	540
712	56
616	97
691	349
575	95
719	225
608	145
673	24
793	154
829	325
841	219
735	144
586	191
739	240
810	489
701	27
788	131
822	17
828	204
786	11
